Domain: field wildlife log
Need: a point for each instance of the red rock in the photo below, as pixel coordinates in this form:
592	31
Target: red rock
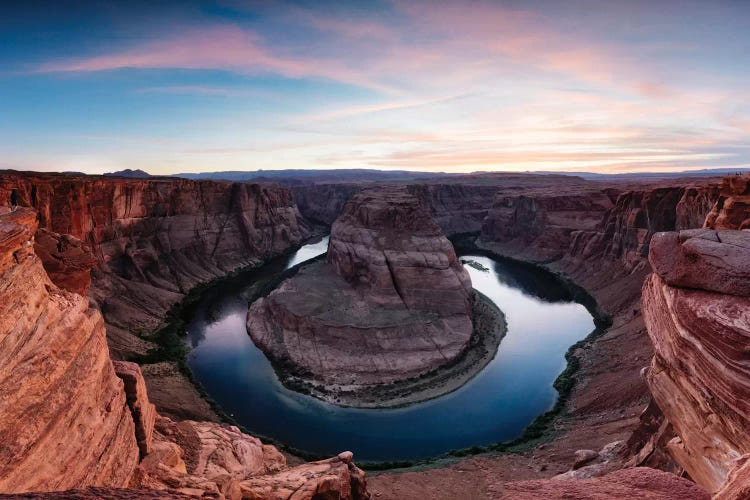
67	260
143	411
699	376
704	259
64	421
392	301
732	209
737	485
582	457
640	482
204	458
154	239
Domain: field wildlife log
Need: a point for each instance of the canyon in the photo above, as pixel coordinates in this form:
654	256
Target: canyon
76	419
138	246
391	303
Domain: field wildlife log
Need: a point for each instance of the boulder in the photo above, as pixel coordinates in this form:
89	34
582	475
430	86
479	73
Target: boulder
704	259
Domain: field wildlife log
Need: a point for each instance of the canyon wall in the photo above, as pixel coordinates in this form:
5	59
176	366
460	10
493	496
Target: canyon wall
732	209
597	236
696	308
70	419
153	240
64	419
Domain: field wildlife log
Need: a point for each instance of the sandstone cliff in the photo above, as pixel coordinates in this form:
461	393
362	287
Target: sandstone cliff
732	209
64	419
153	239
392	301
697	309
69	419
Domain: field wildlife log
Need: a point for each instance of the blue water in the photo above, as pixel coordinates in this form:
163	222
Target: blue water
543	321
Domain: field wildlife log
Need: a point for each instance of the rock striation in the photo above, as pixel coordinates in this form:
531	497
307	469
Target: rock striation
67	260
70	418
64	419
153	239
392	301
697	309
732	209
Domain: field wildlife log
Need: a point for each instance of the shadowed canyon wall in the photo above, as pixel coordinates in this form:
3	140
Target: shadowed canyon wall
70	418
152	240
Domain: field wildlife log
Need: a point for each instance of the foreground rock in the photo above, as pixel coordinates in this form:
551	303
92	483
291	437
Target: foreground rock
64	419
640	482
697	310
69	419
391	303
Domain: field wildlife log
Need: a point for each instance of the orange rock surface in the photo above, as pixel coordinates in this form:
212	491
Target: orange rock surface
64	420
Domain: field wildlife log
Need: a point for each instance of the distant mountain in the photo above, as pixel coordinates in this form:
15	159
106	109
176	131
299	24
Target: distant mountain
135	174
301	176
294	177
705	172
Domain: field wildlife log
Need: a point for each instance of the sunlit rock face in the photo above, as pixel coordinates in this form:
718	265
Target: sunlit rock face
732	209
64	419
697	310
391	302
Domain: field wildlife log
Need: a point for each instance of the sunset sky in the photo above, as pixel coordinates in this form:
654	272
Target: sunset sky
604	86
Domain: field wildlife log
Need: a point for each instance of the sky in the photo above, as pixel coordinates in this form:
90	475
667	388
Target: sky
195	86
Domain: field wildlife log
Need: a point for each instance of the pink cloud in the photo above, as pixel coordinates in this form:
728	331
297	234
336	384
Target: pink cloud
220	47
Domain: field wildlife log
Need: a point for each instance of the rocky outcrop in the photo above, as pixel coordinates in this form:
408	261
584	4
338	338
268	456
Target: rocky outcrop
387	244
208	459
697	311
67	260
153	239
704	259
732	209
392	301
142	410
64	419
640	482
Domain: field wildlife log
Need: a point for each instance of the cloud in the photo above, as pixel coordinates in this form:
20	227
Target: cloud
225	47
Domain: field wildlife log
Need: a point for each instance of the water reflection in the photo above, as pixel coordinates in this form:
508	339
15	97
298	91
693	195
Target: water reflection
494	406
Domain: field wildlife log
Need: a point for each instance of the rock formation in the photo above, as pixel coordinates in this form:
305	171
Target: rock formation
640	482
391	303
697	309
153	239
732	209
69	419
67	260
64	419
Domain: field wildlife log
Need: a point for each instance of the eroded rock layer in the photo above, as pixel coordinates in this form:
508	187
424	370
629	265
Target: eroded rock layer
64	419
732	209
153	239
391	302
698	317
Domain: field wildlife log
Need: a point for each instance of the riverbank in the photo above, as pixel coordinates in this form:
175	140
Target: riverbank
489	328
170	382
